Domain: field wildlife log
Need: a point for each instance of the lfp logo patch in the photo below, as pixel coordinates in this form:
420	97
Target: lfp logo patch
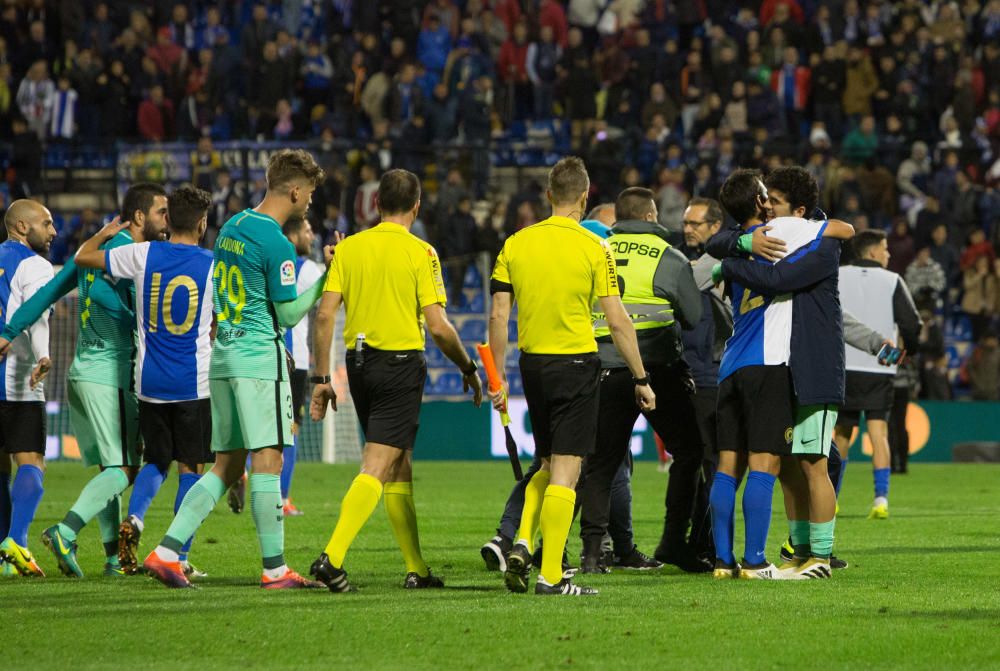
287	273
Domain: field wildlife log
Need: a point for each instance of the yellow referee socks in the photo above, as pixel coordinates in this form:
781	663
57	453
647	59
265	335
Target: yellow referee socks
403	518
355	509
557	517
533	495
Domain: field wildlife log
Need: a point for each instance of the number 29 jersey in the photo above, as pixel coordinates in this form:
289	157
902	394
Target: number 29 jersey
254	268
173	301
762	323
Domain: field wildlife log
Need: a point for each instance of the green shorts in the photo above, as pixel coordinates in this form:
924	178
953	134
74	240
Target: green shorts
250	414
106	423
814	429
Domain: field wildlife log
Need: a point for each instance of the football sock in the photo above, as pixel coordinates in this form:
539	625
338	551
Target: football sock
185	482
288	466
147	484
24	497
108	521
555	519
722	500
402	513
821	538
840	476
358	505
881	483
94	498
5	505
757	498
195	507
265	506
534	494
799	532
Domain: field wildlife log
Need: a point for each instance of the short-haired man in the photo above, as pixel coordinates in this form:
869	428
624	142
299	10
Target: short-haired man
391	286
307	272
879	299
23	271
174	317
659	294
556	271
102	403
251	400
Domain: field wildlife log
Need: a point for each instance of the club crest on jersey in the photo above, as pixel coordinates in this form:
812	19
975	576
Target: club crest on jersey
287	273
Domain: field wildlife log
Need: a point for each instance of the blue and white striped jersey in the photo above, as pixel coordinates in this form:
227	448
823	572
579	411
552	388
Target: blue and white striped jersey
307	273
762	324
22	273
173	285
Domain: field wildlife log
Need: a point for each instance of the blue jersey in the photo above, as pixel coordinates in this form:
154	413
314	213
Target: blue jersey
22	273
307	273
762	324
173	285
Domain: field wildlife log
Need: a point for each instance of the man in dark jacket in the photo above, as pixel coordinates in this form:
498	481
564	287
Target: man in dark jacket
660	295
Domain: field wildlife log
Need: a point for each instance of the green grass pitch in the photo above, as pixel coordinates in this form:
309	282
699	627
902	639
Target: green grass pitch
921	592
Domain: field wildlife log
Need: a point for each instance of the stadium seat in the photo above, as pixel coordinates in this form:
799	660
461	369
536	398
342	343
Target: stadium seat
512	331
473	330
435	357
448	384
473	279
516	386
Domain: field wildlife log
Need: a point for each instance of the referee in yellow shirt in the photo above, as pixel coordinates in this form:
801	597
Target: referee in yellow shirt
391	286
556	271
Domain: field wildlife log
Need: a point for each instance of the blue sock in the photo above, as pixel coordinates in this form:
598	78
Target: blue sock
186	482
4	503
722	500
147	484
837	467
757	498
882	482
288	465
25	495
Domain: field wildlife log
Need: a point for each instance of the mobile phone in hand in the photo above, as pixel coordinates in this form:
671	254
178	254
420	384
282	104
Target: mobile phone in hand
890	356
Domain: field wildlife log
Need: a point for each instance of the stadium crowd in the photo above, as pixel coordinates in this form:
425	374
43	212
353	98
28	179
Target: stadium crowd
894	107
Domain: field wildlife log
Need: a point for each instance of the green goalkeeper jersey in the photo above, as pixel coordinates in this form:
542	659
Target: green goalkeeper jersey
105	343
254	268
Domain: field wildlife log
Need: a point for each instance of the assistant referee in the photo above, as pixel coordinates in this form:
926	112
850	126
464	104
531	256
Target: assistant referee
556	271
391	286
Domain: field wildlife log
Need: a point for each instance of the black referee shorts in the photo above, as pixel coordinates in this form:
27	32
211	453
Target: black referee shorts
178	431
299	381
387	388
562	391
22	427
756	410
868	393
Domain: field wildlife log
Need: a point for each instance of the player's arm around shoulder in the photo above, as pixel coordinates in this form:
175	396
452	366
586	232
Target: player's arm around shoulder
90	254
841	230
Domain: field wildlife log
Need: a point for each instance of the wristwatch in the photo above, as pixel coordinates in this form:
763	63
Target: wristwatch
641	381
470	371
320	379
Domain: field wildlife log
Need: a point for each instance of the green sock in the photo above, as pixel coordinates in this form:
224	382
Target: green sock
108	520
93	499
265	506
197	504
799	532
821	538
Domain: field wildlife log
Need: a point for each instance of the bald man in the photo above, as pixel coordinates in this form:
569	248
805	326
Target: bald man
23	271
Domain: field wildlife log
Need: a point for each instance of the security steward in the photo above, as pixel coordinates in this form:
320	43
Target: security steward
660	296
556	270
391	286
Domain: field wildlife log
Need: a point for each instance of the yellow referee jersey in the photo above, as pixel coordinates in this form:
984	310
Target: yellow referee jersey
387	276
557	270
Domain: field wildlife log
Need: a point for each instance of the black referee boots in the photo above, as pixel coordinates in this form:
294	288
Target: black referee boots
564	587
334	578
518	569
416	581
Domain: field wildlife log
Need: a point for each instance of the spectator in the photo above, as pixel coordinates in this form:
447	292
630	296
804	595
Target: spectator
113	94
64	107
552	14
982	370
446	12
978	246
658	103
981	295
273	81
457	244
860	84
441	112
168	56
405	100
925	274
513	71
927	220
156	117
25	160
913	176
861	143
366	212
541	61
902	249
945	254
34	98
791	84
433	44
255	34
317	75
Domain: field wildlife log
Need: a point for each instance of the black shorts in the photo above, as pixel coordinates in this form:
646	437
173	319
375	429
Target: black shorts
868	393
22	426
387	388
563	394
298	382
178	431
756	410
